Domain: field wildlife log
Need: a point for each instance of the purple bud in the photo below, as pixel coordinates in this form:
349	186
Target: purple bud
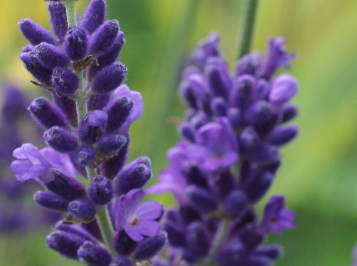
194	90
66	187
94	15
193	174
75	230
58	19
189	214
288	112
200	119
272	252
120	261
46	114
60	139
198	239
103	37
235	117
64	243
258	114
113	53
134	175
85	155
76	43
218	77
185	130
201	199
118	111
175	234
284	88
81	208
123	244
50	201
64	81
98	102
51	56
249	140
219	107
111	167
100	190
236	204
93	255
223	184
283	135
111	144
92	126
249	64
257	185
109	78
242	94
35	33
150	246
38	71
68	107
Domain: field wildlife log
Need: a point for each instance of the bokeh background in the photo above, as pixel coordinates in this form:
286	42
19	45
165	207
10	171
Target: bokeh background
319	173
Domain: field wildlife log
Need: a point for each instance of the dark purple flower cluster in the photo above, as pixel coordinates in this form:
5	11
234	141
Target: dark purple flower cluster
228	158
87	133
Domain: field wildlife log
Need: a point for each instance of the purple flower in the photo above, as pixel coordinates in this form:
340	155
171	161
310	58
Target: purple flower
137	220
284	88
276	217
138	107
171	179
216	146
208	48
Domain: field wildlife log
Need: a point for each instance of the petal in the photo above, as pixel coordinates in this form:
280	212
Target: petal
149	210
148	227
133	232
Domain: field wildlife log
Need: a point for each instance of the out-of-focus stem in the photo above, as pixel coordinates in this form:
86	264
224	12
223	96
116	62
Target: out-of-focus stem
247	27
71	12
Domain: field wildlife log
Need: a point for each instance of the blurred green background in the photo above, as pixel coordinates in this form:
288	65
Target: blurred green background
319	174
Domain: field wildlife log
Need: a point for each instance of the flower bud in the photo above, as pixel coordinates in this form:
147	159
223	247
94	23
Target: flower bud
92	126
150	246
35	33
175	234
38	71
85	155
284	88
81	208
272	252
288	112
249	140
235	117
111	144
200	119
258	114
58	19
194	90
64	243
223	183
257	185
98	102
193	174
186	132
50	201
94	16
112	54
103	38
66	187
201	199
219	107
120	261
64	81
51	56
109	78
100	190
283	135
249	64
118	111
68	107
236	204
218	77
242	94
198	239
134	175
123	244
60	139
75	230
93	255
76	43
189	214
46	114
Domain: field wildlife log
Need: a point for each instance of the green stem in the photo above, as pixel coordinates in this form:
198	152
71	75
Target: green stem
71	12
247	27
106	228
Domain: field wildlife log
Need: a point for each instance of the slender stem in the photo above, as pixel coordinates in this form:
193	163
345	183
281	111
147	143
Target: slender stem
71	12
106	228
247	27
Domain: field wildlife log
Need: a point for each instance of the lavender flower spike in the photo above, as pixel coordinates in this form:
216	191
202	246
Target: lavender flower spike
137	220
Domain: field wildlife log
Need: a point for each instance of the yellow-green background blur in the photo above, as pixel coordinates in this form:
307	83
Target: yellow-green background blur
319	173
